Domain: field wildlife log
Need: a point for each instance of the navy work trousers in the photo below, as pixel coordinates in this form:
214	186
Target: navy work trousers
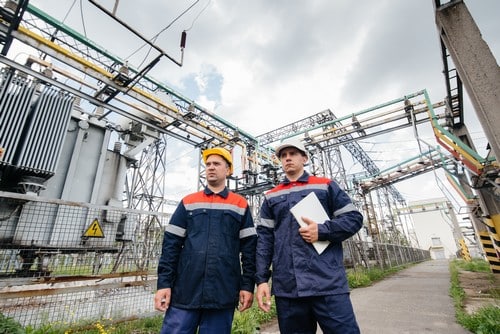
209	321
333	313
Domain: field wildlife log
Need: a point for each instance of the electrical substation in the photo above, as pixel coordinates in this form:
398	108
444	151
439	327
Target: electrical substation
83	140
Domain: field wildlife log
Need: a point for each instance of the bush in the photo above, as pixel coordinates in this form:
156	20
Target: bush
484	321
475	265
376	274
358	278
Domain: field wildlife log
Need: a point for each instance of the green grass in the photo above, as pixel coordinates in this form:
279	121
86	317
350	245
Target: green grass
486	320
476	265
9	326
360	277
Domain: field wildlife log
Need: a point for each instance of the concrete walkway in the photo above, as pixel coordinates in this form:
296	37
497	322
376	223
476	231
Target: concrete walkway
413	301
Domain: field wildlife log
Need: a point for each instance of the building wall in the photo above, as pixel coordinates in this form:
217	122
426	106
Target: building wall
431	224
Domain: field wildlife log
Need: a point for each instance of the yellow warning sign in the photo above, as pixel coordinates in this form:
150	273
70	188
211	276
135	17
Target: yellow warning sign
94	230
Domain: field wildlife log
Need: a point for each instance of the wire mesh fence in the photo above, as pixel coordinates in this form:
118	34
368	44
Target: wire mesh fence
65	263
381	255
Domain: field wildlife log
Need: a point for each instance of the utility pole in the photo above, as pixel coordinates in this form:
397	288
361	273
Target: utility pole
478	71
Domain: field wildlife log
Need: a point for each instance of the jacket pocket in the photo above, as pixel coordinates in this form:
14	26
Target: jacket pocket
197	222
279	205
231	222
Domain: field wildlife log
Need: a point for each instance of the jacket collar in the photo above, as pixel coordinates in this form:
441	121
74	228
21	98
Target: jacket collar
224	193
303	178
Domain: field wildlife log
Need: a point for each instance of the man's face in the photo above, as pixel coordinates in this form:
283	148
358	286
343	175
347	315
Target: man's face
216	169
292	160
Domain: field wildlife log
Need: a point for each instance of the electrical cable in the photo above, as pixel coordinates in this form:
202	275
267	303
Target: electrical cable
83	19
174	20
69	10
154	38
197	16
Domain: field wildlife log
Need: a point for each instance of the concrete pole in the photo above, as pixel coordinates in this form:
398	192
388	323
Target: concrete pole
476	66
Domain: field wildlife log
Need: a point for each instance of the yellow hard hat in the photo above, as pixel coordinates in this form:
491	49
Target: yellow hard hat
219	151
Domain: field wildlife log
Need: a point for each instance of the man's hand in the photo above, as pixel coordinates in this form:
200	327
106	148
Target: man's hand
310	232
264	297
162	299
246	300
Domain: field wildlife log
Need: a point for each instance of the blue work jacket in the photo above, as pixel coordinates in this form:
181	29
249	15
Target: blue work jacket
208	252
297	268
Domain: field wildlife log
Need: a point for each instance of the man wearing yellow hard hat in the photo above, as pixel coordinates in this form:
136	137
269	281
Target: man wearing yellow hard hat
201	279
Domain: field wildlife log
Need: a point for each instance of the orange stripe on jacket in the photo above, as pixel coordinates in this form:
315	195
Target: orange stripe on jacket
201	197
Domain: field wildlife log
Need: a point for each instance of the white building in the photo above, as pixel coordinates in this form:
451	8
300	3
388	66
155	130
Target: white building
433	223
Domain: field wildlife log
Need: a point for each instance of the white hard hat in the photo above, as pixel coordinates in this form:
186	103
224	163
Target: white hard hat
291	142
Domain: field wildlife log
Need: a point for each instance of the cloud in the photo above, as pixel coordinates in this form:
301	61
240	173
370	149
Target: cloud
181	170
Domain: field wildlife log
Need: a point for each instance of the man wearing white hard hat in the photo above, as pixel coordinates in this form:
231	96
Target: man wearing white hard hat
309	287
201	279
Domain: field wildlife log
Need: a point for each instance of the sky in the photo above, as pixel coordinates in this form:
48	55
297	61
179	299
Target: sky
264	64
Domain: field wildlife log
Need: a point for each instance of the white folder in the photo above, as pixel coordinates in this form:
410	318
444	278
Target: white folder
310	207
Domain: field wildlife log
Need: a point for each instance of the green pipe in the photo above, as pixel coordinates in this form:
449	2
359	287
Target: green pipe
364	111
407	161
454	138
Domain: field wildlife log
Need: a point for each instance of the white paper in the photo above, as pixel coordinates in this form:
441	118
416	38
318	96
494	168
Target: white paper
310	207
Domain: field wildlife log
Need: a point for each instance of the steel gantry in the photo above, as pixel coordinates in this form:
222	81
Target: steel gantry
323	134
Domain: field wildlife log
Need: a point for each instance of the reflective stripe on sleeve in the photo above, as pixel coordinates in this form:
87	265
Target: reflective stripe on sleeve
266	222
246	232
174	229
348	208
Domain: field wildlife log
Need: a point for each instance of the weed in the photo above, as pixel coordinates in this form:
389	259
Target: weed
10	326
486	319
